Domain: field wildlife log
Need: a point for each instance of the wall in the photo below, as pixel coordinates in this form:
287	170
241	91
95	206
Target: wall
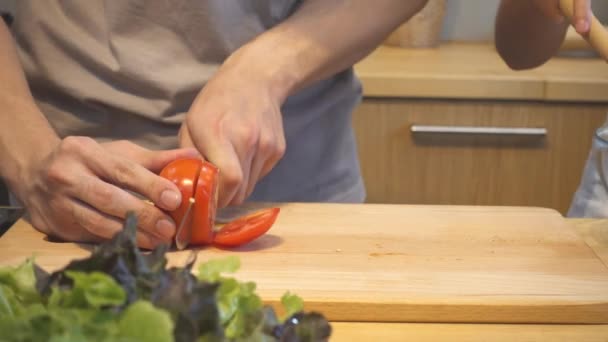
474	19
465	19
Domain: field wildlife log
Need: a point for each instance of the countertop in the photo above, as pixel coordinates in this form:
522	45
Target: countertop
476	71
593	232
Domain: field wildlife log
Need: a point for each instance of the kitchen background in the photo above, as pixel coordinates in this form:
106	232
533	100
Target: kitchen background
460	84
465	19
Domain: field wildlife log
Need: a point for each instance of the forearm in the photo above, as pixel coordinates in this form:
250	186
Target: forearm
524	36
322	38
24	132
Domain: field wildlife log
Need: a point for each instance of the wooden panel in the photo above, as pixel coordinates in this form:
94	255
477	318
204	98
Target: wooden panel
406	263
387	332
476	71
439	169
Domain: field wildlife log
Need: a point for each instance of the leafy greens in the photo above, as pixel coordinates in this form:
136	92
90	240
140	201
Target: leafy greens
121	294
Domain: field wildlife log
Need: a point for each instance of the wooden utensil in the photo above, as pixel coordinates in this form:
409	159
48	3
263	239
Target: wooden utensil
597	36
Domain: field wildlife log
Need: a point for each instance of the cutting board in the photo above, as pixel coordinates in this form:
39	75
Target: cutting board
398	263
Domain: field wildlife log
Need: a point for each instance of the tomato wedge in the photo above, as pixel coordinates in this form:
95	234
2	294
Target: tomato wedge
198	179
246	228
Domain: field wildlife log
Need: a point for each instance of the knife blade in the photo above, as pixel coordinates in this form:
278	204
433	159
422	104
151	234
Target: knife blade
182	242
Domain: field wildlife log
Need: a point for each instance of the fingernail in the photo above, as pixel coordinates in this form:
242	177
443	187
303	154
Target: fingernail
582	26
170	199
165	228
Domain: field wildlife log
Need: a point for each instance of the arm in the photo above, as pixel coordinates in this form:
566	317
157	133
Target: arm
321	39
26	135
530	32
73	188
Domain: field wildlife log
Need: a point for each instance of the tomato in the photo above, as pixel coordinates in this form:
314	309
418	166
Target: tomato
183	173
198	179
246	228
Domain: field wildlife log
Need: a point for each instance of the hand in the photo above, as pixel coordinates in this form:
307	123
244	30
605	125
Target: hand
582	13
236	124
76	192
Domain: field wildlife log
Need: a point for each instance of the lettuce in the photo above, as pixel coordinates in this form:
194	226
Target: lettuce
121	294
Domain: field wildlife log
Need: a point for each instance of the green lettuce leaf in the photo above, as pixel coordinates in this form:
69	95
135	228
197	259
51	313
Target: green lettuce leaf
212	270
90	290
21	280
9	304
239	306
292	304
142	321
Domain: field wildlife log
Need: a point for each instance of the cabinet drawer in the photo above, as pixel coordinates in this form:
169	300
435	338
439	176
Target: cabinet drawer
474	153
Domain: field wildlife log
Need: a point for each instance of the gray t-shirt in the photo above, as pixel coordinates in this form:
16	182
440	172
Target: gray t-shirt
591	198
130	69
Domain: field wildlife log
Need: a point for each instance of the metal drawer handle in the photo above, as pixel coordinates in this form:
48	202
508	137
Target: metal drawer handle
479	130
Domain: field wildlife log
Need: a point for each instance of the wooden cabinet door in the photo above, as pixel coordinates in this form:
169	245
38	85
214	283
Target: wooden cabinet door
474	169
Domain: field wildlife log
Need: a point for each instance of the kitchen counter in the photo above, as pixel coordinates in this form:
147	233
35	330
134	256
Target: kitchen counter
476	72
593	232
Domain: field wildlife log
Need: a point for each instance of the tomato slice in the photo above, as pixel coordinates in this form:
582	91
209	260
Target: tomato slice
205	195
246	229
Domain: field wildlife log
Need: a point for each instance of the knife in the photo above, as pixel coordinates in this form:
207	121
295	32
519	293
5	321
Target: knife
182	242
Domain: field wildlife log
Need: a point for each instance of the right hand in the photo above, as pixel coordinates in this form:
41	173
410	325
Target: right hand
77	193
238	129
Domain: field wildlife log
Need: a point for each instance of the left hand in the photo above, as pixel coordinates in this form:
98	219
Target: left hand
235	122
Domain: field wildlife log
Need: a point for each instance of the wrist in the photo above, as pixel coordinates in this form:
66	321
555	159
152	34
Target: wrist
27	139
275	71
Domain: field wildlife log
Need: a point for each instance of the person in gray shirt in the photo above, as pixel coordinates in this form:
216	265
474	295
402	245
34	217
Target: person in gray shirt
97	96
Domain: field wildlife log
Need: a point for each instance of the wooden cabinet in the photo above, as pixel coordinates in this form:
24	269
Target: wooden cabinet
469	86
542	169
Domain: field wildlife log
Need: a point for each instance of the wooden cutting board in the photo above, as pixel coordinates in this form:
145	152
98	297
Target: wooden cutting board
396	263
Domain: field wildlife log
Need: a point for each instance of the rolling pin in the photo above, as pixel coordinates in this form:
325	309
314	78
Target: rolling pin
597	36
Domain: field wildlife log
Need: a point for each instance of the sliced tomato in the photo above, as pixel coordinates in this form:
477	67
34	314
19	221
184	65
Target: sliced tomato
198	179
195	178
183	173
246	229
